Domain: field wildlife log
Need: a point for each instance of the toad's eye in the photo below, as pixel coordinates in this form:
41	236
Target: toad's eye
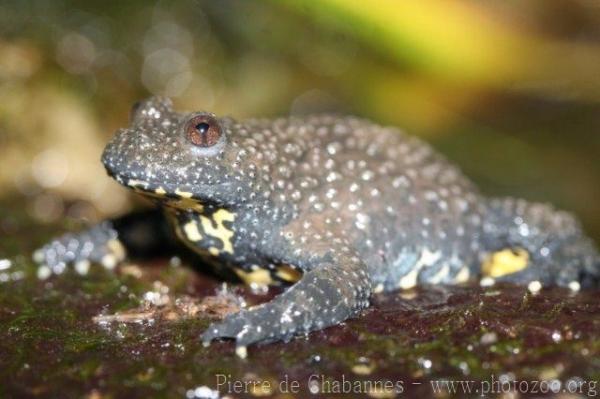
203	130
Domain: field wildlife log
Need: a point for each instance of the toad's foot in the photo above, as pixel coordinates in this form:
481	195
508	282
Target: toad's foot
98	244
325	296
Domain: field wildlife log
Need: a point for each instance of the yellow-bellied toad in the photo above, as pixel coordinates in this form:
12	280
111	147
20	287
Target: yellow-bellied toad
339	206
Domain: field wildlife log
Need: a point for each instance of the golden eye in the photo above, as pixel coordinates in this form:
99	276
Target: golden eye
203	131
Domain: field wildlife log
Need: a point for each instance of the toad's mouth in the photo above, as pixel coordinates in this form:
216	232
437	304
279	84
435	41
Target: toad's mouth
175	196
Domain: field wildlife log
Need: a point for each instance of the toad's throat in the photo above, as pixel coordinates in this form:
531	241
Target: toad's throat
209	231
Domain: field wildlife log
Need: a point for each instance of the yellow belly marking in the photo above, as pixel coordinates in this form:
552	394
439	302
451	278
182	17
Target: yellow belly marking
117	249
186	202
288	273
190	229
183	194
258	276
462	276
409	280
137	183
505	262
220	231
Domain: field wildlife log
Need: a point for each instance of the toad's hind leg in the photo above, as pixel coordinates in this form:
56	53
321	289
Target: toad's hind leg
326	295
529	242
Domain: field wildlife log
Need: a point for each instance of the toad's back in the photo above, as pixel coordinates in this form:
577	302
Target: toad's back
411	214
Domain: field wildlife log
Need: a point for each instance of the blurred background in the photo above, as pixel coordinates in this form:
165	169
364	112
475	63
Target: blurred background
509	90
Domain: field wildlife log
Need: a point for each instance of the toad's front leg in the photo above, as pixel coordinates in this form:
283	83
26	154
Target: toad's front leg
334	290
141	234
